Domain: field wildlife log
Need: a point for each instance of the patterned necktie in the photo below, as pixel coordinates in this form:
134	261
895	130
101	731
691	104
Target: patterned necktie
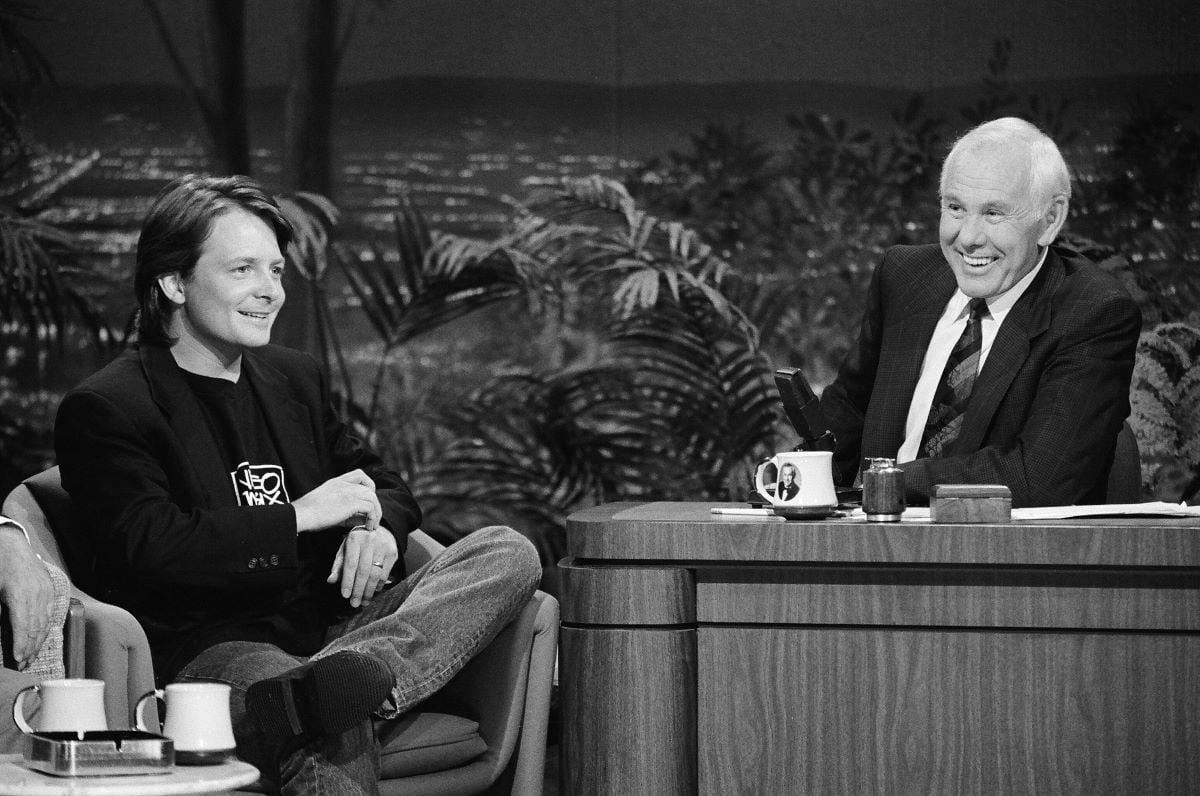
954	390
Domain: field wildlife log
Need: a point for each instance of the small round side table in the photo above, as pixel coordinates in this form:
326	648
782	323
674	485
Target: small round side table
17	780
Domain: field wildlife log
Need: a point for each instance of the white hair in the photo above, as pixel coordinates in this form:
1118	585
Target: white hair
1047	174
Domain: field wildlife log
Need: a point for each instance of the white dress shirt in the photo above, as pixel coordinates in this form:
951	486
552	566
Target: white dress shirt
949	328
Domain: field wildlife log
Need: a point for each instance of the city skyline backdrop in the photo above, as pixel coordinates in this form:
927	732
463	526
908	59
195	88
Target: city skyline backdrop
909	44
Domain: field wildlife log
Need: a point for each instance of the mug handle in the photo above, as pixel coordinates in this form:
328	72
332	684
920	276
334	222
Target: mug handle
18	709
139	710
761	487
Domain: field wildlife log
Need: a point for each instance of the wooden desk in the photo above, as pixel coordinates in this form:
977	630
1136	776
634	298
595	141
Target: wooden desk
745	655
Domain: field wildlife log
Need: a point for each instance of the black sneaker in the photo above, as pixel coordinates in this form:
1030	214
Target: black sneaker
325	696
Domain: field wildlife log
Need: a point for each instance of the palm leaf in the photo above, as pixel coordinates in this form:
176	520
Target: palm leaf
591	200
678	379
38	284
543	445
434	280
314	220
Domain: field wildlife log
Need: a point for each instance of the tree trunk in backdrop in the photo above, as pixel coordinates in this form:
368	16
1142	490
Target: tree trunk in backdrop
308	118
219	99
308	150
226	117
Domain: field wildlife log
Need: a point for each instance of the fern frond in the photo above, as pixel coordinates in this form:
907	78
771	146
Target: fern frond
314	219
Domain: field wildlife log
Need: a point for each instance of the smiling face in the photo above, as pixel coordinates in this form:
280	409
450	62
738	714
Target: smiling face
230	300
991	226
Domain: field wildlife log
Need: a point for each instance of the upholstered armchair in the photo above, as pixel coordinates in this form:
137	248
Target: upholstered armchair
114	648
1125	476
484	732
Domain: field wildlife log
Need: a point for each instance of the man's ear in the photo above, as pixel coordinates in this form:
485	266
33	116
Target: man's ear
1054	218
172	287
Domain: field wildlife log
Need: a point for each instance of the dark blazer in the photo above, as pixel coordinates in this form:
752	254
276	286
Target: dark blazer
171	544
1046	408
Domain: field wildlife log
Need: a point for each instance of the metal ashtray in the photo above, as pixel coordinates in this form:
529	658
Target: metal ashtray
100	753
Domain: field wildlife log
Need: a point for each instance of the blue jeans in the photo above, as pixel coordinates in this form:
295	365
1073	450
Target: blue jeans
425	628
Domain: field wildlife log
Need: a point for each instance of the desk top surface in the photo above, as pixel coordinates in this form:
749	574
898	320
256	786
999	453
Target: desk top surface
689	531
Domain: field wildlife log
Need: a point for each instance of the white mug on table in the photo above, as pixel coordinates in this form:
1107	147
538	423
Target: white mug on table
803	480
71	705
198	721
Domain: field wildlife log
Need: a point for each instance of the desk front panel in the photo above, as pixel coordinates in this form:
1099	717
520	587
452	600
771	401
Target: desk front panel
839	657
877	710
629	711
951	597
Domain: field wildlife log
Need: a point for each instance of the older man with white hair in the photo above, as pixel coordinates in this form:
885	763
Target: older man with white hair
996	356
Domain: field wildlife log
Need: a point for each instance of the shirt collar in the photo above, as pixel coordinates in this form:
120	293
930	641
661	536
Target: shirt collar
998	305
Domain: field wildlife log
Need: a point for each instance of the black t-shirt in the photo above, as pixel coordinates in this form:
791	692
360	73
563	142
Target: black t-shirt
235	416
243	439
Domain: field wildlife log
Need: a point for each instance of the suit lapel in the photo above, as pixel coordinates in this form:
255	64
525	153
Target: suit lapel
1028	318
288	421
919	306
183	413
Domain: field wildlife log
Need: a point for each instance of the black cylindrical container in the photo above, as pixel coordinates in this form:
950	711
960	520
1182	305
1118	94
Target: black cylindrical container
883	491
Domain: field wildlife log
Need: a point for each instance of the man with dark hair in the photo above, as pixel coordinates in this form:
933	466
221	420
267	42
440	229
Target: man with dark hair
996	357
243	524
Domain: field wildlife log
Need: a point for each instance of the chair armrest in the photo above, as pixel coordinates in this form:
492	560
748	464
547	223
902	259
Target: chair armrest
21	506
114	646
506	687
530	771
421	548
117	652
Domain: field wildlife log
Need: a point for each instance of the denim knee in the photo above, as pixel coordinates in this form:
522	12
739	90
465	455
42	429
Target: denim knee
525	565
239	663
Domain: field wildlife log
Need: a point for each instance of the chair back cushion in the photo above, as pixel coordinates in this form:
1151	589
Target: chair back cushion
1125	477
77	551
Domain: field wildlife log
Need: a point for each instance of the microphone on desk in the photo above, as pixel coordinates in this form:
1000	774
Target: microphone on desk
803	409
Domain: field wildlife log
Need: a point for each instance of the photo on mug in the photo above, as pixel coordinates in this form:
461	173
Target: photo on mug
788	488
798	483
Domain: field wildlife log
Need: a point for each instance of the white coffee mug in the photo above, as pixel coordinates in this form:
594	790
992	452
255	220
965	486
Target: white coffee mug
74	705
803	481
197	721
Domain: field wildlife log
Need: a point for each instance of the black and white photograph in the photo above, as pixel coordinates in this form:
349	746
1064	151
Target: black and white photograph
386	388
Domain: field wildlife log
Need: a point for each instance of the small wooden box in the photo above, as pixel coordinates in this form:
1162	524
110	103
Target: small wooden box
960	503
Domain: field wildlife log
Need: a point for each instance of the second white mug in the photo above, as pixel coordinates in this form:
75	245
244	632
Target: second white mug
198	721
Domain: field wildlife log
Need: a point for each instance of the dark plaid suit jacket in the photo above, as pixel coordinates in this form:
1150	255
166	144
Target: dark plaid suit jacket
1046	409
